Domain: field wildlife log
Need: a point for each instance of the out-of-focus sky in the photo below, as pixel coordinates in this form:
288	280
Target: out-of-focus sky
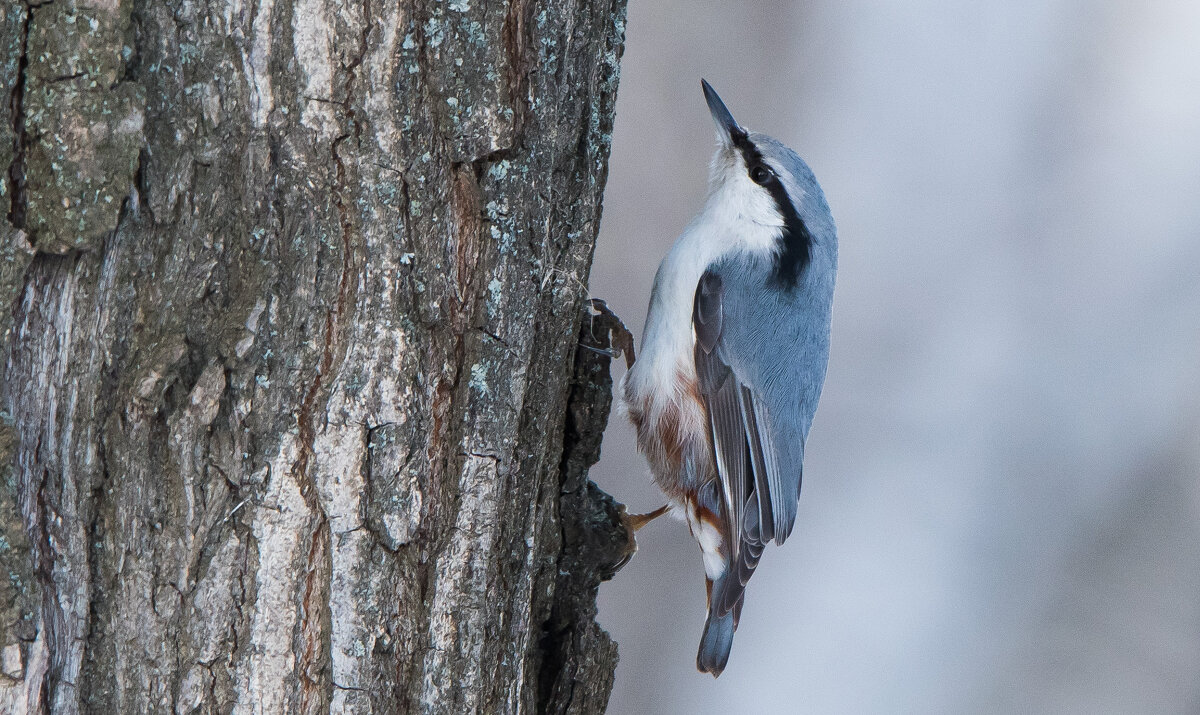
1001	505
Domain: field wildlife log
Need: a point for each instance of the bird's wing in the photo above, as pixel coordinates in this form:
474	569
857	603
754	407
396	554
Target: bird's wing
723	399
759	492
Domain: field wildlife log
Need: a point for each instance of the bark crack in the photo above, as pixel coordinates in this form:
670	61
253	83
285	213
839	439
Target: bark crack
16	170
516	43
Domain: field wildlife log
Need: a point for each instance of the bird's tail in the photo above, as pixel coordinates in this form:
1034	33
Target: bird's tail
717	640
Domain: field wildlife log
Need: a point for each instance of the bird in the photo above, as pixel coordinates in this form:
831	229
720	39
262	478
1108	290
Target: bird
733	359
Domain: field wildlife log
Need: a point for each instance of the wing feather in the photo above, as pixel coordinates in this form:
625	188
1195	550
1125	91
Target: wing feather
783	488
721	396
729	447
755	438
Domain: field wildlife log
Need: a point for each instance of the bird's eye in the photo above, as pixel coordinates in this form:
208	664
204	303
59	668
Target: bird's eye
760	174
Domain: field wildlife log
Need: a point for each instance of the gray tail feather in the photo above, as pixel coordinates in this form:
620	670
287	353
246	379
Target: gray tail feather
716	642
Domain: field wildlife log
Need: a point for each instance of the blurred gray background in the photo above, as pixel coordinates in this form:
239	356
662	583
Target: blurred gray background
1001	506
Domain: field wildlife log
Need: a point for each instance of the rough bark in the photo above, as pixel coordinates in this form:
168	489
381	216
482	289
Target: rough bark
296	290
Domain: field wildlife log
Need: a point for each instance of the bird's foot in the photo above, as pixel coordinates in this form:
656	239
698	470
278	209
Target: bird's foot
620	340
633	523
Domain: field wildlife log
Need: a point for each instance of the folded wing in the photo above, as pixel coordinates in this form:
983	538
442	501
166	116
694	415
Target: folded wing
759	490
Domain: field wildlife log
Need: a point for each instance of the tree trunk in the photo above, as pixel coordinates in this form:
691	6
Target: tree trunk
297	287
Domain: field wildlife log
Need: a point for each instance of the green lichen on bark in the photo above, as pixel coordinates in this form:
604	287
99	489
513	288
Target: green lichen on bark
82	123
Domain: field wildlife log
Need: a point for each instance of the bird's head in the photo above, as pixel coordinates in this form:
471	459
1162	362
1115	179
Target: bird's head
758	183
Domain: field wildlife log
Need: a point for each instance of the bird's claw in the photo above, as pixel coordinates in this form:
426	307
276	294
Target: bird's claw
633	523
619	337
607	352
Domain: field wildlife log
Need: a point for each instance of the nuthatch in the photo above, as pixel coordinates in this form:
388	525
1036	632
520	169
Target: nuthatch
732	361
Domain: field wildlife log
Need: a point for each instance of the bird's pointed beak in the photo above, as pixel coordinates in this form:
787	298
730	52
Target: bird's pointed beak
727	127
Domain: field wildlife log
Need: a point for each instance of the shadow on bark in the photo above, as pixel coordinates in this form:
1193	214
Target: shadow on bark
579	658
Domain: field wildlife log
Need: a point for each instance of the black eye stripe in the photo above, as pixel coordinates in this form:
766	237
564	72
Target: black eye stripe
796	239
